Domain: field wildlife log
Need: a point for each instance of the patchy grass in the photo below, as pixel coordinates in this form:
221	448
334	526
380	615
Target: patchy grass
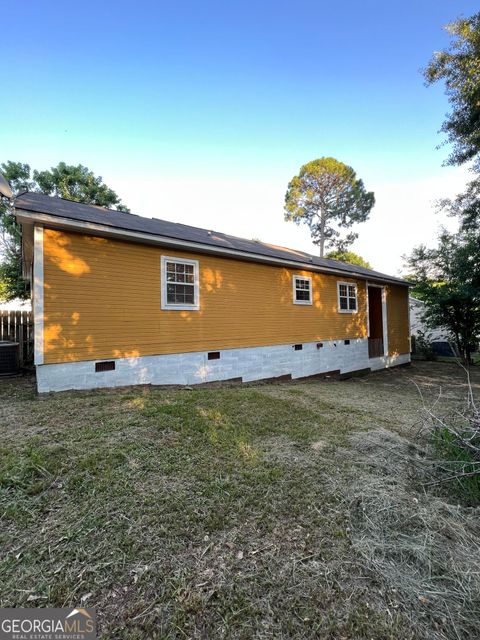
259	511
459	461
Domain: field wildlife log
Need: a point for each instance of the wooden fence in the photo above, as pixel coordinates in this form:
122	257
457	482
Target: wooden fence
18	326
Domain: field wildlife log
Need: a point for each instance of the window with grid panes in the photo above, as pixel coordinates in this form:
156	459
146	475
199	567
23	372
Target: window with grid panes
347	297
180	283
302	290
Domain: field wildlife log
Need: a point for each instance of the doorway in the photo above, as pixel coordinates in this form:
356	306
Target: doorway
376	347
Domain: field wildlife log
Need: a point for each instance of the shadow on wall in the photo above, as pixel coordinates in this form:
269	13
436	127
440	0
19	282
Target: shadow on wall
62	257
211	282
69	335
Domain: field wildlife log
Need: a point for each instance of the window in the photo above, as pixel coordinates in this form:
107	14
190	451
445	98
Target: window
179	284
347	297
302	290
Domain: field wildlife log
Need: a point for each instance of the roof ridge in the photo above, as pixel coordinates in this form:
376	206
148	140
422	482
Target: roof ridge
67	209
84	204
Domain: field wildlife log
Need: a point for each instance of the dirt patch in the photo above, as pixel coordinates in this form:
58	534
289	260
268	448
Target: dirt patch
282	450
319	445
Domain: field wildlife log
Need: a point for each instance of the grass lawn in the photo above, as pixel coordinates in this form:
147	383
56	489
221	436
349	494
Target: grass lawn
259	511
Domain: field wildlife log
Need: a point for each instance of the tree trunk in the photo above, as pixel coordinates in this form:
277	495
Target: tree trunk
464	351
322	234
460	346
468	355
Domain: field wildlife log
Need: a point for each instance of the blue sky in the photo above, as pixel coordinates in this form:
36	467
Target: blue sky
202	111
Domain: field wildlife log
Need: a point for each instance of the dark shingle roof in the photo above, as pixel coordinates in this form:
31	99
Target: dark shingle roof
67	209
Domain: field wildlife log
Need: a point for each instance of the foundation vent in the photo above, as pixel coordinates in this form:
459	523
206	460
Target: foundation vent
105	366
347	341
214	355
298	347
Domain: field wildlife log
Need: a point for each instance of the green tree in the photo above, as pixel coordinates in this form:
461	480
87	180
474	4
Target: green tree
465	206
77	183
459	67
350	257
66	181
12	285
327	196
415	292
447	278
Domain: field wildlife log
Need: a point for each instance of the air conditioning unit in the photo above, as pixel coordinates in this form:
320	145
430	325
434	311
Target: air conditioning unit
9	363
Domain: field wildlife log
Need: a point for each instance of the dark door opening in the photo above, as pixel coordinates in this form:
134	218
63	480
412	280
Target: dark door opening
375	321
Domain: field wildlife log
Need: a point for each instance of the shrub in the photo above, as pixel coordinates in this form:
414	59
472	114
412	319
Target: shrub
424	346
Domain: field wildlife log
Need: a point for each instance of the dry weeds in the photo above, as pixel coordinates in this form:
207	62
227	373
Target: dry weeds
425	550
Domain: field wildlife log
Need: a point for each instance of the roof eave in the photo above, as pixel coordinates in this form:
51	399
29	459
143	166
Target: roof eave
24	215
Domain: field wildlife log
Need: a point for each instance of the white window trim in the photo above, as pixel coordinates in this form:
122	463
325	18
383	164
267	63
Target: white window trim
38	293
163	280
348	284
294	284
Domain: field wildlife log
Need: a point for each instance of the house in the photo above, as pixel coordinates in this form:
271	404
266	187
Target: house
438	337
121	299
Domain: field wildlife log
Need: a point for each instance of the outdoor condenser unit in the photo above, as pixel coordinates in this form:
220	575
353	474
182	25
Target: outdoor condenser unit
8	358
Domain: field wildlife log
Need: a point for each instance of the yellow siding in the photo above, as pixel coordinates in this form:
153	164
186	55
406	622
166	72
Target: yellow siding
397	320
102	300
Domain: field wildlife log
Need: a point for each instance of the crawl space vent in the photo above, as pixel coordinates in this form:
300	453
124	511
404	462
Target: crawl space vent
104	366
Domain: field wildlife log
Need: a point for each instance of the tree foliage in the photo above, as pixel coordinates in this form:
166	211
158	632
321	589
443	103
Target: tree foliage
415	292
447	278
76	183
66	181
349	257
459	67
12	285
465	206
327	196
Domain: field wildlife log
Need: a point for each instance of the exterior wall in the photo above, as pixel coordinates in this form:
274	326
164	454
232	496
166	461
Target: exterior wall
193	368
398	320
418	325
102	300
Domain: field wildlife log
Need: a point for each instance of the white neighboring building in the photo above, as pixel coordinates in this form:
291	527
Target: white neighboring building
417	324
16	305
439	336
